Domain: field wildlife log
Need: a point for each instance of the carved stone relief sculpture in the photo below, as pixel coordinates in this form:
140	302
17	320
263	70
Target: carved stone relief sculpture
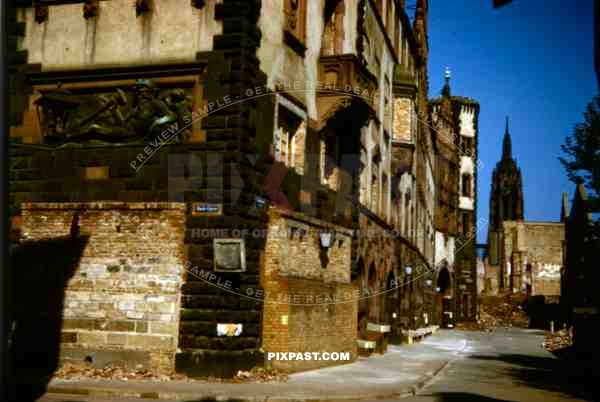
137	113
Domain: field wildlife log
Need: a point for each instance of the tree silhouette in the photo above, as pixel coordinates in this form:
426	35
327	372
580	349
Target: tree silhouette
582	151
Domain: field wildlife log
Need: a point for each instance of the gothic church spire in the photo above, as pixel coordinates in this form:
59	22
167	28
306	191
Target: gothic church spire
506	143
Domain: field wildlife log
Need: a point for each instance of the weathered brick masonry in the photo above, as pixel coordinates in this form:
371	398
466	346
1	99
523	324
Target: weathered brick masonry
121	306
309	307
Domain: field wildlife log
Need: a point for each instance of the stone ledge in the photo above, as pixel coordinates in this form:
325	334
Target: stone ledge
420	333
378	327
364	344
130	340
310	220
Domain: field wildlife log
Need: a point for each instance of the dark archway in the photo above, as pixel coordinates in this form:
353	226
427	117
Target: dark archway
444	311
390	299
444	282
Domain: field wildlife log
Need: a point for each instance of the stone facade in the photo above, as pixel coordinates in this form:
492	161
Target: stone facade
455	127
218	124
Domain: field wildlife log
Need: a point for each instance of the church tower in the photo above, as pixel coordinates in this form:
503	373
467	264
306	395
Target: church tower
506	199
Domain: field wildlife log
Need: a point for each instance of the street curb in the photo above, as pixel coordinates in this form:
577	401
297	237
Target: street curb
100	392
422	383
406	391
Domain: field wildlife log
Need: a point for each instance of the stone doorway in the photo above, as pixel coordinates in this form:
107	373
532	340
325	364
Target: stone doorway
443	298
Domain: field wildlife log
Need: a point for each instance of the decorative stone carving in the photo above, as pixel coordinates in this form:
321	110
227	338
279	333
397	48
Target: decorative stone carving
345	82
123	115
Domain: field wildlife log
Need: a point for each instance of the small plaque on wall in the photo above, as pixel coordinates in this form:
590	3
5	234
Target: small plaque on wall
96	173
229	255
206	209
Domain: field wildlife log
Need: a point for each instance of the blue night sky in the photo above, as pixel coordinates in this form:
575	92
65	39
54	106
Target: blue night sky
531	60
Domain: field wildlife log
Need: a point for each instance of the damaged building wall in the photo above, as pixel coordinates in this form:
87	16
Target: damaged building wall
307	292
121	305
533	257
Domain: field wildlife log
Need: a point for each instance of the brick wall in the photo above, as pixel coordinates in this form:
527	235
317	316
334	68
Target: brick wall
300	314
121	305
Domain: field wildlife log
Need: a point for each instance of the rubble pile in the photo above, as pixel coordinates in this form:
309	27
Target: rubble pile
470	326
503	311
558	340
259	374
78	372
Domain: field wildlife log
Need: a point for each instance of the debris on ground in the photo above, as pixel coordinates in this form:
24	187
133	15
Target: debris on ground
78	372
558	340
503	311
259	374
499	311
75	372
469	326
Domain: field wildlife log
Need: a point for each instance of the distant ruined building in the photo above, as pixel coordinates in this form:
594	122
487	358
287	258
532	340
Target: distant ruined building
523	256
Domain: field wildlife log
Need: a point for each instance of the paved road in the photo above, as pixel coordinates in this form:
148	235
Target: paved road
505	365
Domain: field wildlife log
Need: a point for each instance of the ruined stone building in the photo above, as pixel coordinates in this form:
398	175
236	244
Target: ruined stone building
533	257
233	178
523	256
